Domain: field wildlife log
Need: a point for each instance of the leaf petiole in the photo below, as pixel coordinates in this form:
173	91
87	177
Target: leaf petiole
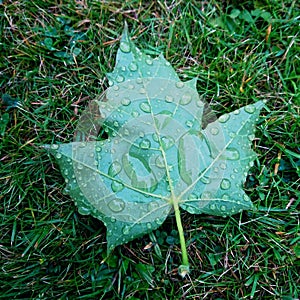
184	268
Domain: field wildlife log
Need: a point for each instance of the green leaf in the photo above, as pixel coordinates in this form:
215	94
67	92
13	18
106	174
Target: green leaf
157	157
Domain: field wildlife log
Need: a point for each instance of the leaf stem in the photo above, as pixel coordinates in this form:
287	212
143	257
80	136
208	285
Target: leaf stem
185	261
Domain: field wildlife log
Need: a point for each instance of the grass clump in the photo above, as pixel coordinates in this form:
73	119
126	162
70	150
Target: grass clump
53	62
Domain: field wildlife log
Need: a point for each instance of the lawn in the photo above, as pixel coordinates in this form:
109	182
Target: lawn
54	57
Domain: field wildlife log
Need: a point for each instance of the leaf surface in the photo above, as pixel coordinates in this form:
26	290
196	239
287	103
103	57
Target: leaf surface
157	157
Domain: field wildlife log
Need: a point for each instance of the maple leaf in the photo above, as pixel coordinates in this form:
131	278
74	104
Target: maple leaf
156	158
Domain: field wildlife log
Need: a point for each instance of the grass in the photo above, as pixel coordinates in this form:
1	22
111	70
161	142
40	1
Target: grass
54	57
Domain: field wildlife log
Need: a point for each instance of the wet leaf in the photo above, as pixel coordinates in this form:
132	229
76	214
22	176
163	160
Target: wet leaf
156	158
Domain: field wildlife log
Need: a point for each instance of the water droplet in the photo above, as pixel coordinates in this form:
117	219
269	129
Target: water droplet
58	155
214	130
125	47
189	123
142	91
149	225
246	198
232	134
126	230
169	98
212	206
179	84
206	196
139	80
116	124
133	66
235	170
192	197
236	112
135	114
155	137
117	186
120	78
159	162
167	142
250	109
114	169
251	137
145	144
223	166
116	205
84	210
232	154
66	172
225	184
205	179
191	209
116	88
149	61
145	107
225	197
54	147
224	118
223	208
152	206
125	101
185	99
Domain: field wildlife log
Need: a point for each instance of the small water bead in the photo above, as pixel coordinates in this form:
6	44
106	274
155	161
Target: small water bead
139	80
212	206
246	198
155	137
159	162
225	184
225	197
214	130
251	137
125	101
130	86
232	134
116	88
54	147
79	166
133	66
179	84
223	208
185	99
232	154
205	179
135	114
149	225
58	155
191	209
145	107
250	109
120	78
116	124
117	186
126	230
149	61
169	99
145	144
125	47
142	91
167	142
224	118
206	196
152	206
223	166
236	112
189	123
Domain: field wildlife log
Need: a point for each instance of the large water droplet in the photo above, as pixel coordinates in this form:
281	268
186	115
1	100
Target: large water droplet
116	205
125	101
185	99
159	162
117	186
232	154
225	184
224	118
167	142
250	109
125	47
114	169
145	107
145	144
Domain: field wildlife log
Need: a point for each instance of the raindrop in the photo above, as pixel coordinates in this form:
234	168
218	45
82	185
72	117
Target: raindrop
232	134
179	84
223	208
212	206
236	112
152	206
116	124
225	197
116	205
191	210
145	144
169	98
135	114
206	196
224	118
58	155
98	149
114	169
116	88
192	197
66	172
142	91
84	210
159	162
204	179
223	166
225	184
54	147
189	123
149	226
251	137
125	101
250	109
120	78
117	186
214	130
126	230
125	47
145	107
232	154
167	142
155	137
149	61
139	80
133	66
246	198
186	99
